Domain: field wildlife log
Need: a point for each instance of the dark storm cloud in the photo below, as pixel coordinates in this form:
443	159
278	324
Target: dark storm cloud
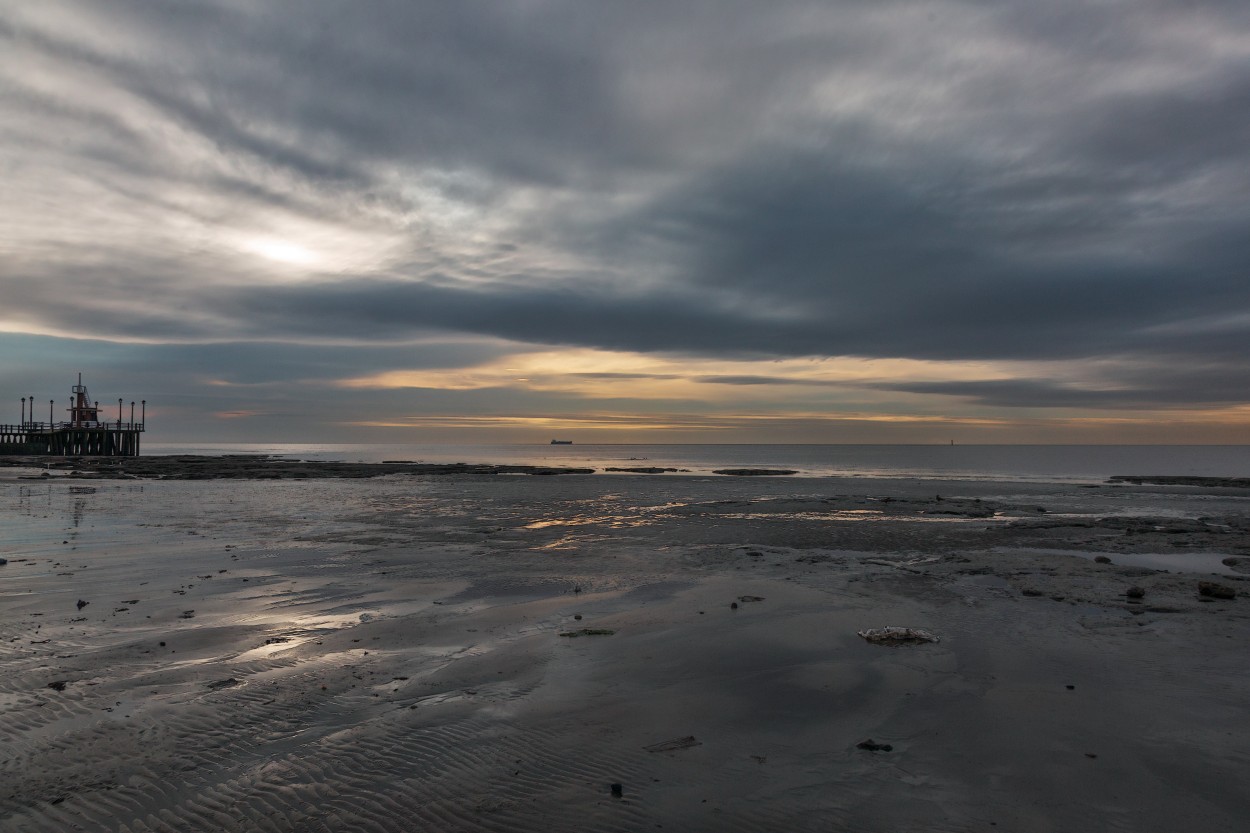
873	267
936	181
1162	386
453	84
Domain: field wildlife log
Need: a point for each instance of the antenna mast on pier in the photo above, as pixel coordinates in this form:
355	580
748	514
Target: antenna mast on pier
82	413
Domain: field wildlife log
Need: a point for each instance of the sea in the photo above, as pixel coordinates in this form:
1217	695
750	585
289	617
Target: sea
1036	463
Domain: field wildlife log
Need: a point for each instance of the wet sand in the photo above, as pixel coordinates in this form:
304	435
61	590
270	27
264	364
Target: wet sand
398	653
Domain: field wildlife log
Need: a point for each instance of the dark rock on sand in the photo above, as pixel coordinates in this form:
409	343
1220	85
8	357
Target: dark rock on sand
588	632
873	746
1101	559
640	470
1216	591
1135	593
82	604
229	682
617	790
58	685
754	472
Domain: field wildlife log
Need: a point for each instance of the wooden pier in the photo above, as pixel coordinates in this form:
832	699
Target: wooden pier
83	435
115	439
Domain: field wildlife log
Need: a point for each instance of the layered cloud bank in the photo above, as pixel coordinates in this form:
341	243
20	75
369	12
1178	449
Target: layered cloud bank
807	221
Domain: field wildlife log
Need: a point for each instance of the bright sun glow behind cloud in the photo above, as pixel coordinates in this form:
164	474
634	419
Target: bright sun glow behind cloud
282	251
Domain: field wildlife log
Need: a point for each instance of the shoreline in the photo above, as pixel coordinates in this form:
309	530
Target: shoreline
388	654
276	467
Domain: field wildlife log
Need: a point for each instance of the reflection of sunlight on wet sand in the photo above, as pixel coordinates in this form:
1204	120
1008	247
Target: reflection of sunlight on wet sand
852	515
608	515
612	521
572	542
656	514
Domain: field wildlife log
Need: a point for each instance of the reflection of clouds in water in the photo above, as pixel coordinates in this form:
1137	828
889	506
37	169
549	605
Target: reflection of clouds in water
1180	562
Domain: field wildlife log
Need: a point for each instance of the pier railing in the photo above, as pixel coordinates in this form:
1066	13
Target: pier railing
43	427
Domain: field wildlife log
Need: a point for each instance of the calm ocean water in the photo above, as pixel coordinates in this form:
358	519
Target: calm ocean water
1061	463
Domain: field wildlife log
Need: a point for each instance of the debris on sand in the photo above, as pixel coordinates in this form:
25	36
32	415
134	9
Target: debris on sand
674	744
1216	591
755	472
894	635
58	685
750	598
588	632
82	604
229	682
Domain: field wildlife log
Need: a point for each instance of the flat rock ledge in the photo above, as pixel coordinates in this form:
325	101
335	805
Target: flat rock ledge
1177	480
256	467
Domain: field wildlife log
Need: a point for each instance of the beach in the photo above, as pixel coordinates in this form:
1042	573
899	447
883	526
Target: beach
302	648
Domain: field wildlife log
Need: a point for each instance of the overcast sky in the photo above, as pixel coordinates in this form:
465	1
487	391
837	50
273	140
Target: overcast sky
719	221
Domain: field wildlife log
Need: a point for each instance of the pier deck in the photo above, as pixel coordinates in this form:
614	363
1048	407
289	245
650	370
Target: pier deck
105	439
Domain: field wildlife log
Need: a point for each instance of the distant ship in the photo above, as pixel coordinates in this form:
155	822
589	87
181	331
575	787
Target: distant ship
561	442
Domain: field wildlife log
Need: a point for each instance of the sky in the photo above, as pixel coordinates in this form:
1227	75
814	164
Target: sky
846	221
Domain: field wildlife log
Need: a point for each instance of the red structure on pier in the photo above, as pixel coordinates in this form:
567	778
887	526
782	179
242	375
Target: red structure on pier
84	434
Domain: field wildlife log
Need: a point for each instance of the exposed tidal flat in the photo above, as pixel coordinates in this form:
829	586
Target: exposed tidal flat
469	650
